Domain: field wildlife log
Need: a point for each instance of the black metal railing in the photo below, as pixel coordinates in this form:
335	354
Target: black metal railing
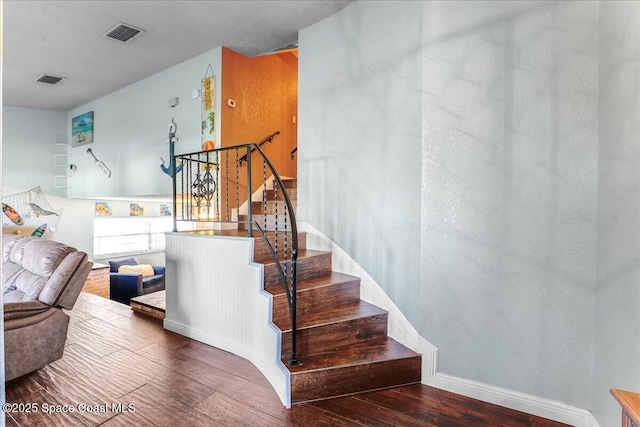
268	138
222	186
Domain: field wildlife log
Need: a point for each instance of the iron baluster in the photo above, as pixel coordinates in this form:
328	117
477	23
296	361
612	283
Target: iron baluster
285	250
275	227
249	213
226	181
182	194
189	181
218	214
264	192
174	180
237	184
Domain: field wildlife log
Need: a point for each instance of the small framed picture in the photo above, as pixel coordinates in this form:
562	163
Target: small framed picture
103	209
136	209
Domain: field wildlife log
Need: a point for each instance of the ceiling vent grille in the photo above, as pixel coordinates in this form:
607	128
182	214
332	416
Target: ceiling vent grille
123	33
51	80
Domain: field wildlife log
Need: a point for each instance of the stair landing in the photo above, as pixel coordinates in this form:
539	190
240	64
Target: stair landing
153	304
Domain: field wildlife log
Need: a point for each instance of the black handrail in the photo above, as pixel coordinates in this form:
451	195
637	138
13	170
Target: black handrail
205	186
268	138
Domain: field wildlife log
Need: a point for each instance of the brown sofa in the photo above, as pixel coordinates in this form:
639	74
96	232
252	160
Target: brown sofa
40	278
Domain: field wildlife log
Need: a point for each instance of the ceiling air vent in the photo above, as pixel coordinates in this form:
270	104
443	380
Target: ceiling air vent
51	80
123	32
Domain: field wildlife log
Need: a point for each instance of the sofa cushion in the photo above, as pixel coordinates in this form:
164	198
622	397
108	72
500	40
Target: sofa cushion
23	309
115	265
24	286
64	285
9	270
32	261
8	241
42	257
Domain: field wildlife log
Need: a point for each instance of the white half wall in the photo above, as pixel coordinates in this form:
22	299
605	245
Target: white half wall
214	295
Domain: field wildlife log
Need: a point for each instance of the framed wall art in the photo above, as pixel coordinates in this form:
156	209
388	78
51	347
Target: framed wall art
82	129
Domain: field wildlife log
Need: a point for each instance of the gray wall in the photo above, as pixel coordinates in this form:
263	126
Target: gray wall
524	118
131	130
617	314
29	137
509	193
359	140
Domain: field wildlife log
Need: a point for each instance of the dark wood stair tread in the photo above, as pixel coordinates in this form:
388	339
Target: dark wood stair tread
302	254
333	278
331	315
390	350
290	182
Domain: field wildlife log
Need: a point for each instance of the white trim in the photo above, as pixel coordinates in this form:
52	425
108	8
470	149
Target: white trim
539	406
402	331
592	421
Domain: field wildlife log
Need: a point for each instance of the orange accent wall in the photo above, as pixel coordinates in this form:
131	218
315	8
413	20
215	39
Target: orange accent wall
265	91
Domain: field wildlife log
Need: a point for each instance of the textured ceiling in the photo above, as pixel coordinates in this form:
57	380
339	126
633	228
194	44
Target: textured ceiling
64	38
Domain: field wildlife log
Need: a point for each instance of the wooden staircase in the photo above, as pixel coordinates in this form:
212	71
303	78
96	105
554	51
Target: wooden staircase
343	345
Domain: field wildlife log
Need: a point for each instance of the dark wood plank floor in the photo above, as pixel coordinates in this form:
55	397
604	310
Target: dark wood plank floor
115	356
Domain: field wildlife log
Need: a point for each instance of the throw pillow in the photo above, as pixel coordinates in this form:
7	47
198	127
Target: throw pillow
115	265
144	269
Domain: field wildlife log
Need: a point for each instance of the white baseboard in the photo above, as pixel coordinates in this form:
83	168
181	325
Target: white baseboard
541	407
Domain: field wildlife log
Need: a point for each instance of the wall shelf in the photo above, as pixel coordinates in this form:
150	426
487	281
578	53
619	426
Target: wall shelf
61	159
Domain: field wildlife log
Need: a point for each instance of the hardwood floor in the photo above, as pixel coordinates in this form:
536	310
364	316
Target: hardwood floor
115	356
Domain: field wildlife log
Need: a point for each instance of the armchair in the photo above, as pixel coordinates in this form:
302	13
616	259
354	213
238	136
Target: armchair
124	286
40	278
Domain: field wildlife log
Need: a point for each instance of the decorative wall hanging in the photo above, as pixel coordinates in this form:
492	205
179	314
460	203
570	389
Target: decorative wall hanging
29	213
208	118
82	129
165	210
100	164
208	110
173	128
11	216
103	209
135	209
39	232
